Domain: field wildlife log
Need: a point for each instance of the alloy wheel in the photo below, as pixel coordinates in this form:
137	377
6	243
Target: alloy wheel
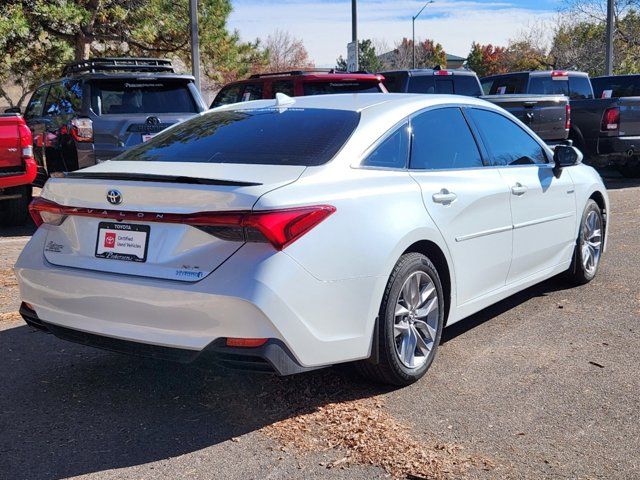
591	242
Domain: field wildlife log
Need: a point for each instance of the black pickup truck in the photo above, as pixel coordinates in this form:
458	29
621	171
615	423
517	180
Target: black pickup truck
607	130
547	115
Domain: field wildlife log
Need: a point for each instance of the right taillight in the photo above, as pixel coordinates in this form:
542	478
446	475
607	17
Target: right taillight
567	117
82	129
611	119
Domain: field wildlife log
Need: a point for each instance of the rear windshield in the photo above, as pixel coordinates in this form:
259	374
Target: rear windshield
445	84
131	96
325	88
616	86
548	85
267	136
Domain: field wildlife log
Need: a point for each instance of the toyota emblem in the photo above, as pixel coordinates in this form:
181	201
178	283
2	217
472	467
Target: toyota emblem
114	197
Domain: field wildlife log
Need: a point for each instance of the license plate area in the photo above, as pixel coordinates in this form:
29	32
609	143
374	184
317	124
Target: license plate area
122	241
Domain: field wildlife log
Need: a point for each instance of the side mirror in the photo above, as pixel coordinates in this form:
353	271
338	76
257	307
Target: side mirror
12	110
565	156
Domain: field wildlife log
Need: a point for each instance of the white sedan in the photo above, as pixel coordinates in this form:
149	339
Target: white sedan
291	234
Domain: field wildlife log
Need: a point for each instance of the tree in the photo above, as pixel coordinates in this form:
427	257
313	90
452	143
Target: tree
487	59
56	31
367	58
285	52
428	55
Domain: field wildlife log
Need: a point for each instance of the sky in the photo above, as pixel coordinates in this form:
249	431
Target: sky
325	25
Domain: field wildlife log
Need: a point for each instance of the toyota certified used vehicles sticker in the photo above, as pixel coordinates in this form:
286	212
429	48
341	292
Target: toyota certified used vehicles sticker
122	241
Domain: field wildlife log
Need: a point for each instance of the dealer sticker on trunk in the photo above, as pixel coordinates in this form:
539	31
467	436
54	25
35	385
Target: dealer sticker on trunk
122	241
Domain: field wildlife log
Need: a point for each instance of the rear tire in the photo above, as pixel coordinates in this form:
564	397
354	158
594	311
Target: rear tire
411	320
16	211
588	250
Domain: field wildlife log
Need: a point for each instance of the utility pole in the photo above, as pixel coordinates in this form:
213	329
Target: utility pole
195	41
413	37
354	31
611	11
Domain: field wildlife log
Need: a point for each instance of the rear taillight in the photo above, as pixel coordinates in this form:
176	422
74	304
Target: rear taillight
278	227
567	117
82	129
611	119
26	141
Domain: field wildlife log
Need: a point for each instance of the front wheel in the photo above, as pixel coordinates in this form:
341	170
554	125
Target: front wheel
588	251
411	319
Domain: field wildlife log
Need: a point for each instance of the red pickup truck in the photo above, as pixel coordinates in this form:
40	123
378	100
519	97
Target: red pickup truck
18	169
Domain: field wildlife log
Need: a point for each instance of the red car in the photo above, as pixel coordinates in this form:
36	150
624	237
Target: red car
297	84
18	169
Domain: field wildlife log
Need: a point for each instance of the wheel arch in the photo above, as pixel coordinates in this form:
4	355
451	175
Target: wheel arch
598	197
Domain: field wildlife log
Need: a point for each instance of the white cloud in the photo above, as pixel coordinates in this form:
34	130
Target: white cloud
325	27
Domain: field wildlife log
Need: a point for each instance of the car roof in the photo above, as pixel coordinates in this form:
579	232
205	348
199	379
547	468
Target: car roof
310	76
417	72
128	75
537	73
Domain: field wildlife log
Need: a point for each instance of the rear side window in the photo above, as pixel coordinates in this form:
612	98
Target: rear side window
616	87
508	144
266	136
507	85
283	86
580	88
393	152
129	96
34	108
548	85
325	88
65	98
442	139
227	95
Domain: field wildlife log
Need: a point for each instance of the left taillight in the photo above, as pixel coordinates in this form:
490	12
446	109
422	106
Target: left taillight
280	228
82	129
26	141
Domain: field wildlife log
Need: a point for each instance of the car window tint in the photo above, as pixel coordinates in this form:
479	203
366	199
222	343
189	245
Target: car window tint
355	86
227	95
393	152
466	85
508	84
548	85
580	88
442	139
507	142
283	86
265	136
65	98
619	86
34	108
422	84
444	86
133	96
252	91
486	86
395	81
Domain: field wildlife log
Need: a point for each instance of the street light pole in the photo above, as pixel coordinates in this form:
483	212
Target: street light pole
354	31
195	41
413	38
611	11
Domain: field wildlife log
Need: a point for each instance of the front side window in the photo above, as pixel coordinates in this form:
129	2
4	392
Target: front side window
265	136
393	152
507	142
34	108
132	96
65	98
441	140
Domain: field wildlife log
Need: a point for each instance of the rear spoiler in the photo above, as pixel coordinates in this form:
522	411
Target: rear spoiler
147	177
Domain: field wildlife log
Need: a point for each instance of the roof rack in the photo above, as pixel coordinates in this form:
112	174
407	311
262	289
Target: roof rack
306	71
112	64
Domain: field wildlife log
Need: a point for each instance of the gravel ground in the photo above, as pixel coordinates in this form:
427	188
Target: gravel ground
543	385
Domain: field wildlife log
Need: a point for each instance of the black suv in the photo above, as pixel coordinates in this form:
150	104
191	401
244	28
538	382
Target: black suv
433	80
104	106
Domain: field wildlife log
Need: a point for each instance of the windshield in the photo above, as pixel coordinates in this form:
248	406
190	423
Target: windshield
267	136
131	96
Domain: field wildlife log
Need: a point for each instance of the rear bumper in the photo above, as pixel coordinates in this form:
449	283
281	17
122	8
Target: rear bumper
25	176
257	293
619	148
273	357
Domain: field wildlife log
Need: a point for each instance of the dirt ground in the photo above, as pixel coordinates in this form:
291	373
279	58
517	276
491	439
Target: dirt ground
543	385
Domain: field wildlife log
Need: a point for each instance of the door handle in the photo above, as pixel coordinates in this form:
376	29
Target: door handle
444	197
519	189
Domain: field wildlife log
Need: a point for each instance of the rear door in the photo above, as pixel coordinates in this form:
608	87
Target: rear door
467	201
543	207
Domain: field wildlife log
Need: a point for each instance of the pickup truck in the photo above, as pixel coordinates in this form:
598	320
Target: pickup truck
547	115
18	169
607	130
